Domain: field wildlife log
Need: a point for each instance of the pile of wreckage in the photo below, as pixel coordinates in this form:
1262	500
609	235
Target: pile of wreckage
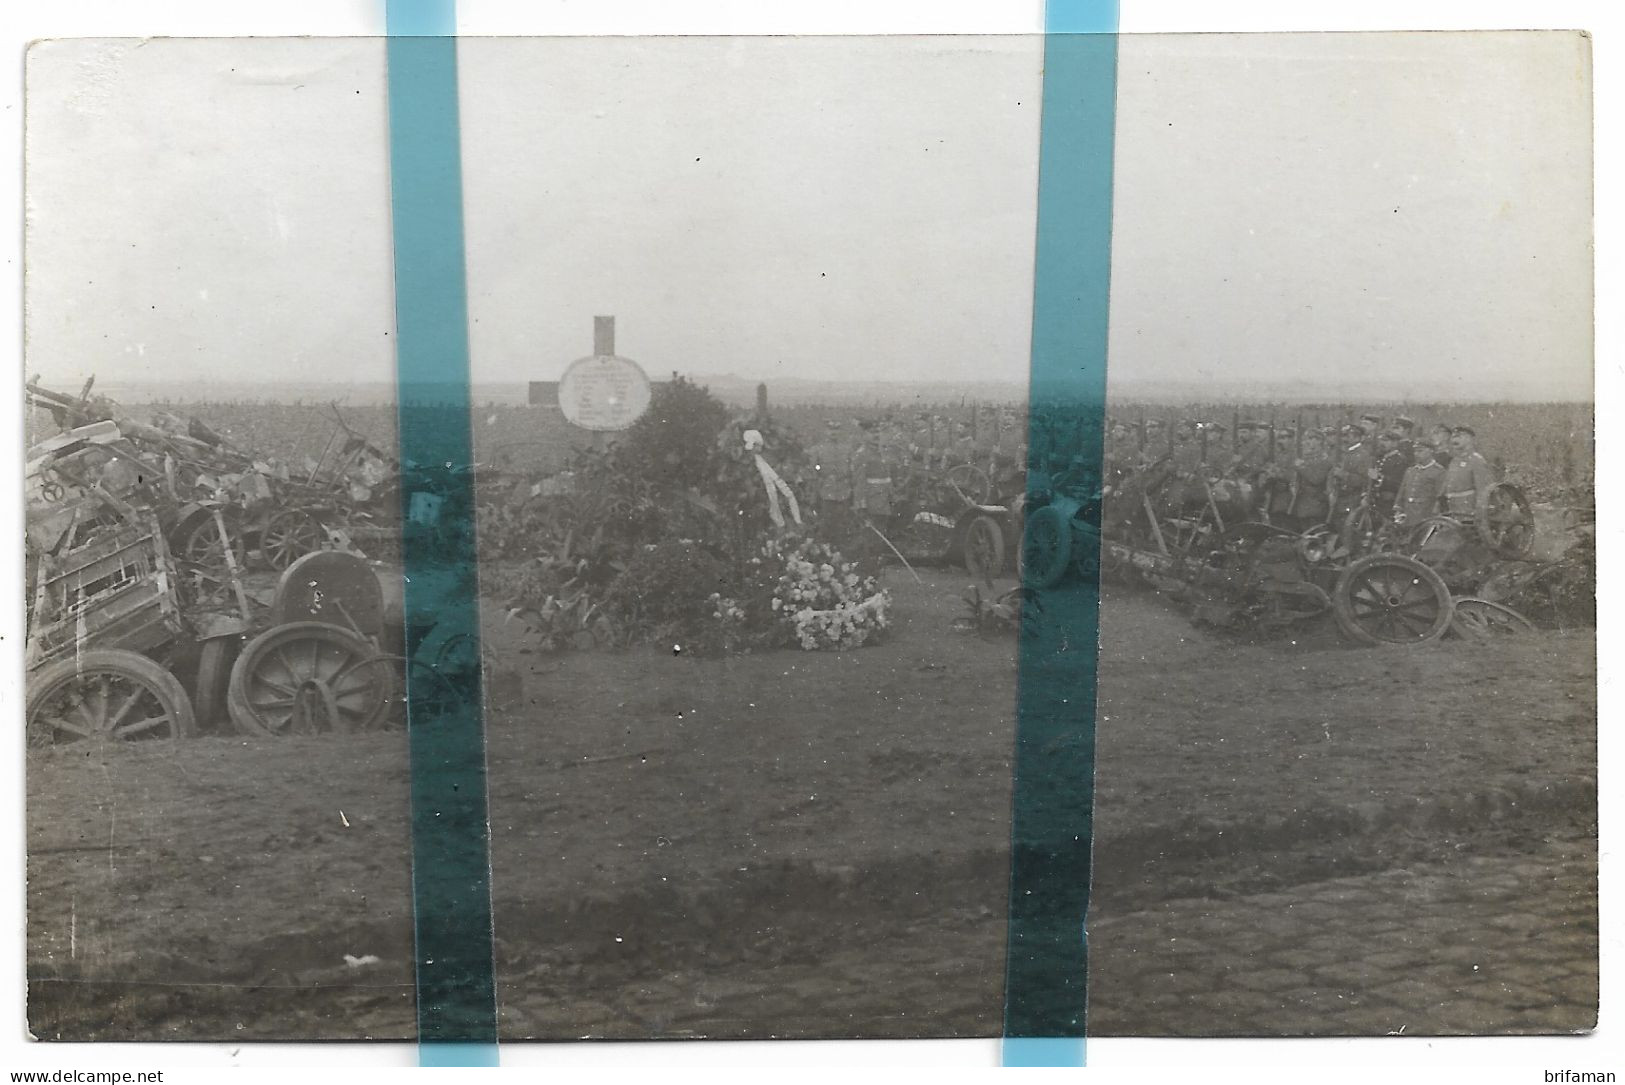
216	504
174	578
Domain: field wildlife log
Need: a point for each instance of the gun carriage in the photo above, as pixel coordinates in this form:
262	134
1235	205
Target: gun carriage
1199	541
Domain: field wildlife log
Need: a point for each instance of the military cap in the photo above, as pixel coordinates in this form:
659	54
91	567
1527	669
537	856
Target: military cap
1401	422
1375	420
1214	427
1468	430
1153	423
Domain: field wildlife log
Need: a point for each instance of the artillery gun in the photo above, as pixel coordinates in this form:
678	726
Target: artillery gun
1382	587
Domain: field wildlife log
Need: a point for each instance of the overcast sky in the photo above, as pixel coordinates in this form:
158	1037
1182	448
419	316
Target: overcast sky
1288	207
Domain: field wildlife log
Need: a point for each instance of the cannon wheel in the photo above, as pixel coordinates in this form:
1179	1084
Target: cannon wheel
984	547
971	482
434	696
1389	599
1505	521
204	564
106	695
1361	529
214	662
466	653
309	677
1480	619
288	536
1046	548
1088	555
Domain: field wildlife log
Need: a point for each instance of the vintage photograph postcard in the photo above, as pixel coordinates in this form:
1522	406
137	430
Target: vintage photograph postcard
720	638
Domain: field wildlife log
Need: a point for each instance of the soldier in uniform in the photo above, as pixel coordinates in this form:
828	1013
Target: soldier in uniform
1231	495
1313	484
1157	445
1250	461
1421	487
1275	481
1439	438
1406	427
832	465
1356	467
1119	452
1215	448
1151	468
1254	452
871	476
1393	459
1359	458
1184	492
1468	478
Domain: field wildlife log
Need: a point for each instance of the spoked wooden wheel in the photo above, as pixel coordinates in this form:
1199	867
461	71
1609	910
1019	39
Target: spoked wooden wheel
465	664
971	482
1088	555
434	696
106	695
209	558
984	548
1046	548
289	536
1505	521
1480	619
464	654
308	678
214	662
1361	530
1389	599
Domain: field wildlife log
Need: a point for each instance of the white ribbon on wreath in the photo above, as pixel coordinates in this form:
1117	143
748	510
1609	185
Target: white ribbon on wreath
771	482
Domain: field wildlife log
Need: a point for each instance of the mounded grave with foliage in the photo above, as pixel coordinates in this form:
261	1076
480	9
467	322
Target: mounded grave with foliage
665	537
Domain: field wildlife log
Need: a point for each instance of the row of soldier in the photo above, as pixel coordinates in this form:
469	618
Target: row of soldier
1274	473
871	467
1300	479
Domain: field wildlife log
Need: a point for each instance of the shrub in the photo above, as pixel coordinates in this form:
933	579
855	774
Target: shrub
666	593
673	445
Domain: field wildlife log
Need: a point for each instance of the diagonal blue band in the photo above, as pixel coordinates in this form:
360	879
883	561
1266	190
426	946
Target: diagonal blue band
451	870
1046	979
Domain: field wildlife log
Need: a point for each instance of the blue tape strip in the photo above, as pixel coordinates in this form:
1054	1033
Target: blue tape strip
1032	1051
1046	978
450	1054
421	18
451	870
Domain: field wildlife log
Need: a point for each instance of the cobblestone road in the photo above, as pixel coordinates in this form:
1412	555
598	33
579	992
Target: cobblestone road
1489	944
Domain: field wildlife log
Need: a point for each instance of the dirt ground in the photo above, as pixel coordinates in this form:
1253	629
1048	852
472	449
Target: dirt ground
790	844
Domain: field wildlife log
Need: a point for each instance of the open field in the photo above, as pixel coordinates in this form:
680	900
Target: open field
819	841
